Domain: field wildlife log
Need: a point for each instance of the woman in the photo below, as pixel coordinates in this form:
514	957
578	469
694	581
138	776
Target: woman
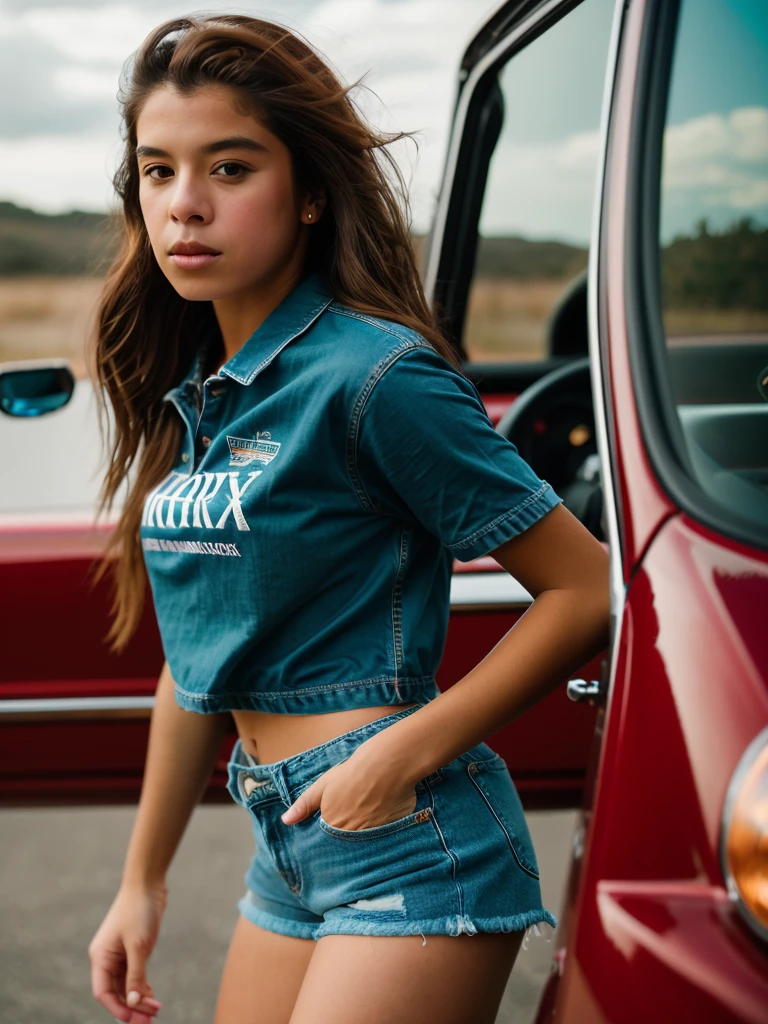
310	460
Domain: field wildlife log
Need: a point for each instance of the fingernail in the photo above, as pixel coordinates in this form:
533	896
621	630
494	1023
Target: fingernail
152	1002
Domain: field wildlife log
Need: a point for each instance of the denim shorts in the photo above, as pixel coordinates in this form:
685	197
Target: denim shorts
461	862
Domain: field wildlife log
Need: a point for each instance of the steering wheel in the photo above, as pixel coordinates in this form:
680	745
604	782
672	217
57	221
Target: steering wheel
552	425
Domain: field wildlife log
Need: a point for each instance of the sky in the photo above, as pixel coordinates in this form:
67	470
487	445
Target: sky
59	120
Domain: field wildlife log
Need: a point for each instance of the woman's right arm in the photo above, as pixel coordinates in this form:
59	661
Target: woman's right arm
181	755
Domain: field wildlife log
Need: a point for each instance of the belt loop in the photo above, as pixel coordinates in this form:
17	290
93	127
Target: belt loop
278	777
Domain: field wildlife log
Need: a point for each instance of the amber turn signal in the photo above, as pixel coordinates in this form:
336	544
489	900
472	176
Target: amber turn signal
744	839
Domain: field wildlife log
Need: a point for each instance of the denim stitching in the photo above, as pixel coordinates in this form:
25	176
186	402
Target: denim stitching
451	854
524	867
376	831
467	541
307	322
382	325
397	607
357	410
325	688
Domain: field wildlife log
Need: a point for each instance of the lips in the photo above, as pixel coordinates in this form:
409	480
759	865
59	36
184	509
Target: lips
192	249
193	255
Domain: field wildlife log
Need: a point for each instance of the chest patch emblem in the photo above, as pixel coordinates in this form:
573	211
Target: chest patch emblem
245	450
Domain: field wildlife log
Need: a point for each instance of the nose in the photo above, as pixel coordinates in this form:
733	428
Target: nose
188	201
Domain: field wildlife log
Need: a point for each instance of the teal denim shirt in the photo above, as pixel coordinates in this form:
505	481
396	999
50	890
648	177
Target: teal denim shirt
300	550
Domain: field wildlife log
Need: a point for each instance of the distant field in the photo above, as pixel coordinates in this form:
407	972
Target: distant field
714	321
46	316
43	317
507	318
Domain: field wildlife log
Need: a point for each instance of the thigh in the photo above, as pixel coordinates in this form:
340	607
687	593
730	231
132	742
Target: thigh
262	976
384	979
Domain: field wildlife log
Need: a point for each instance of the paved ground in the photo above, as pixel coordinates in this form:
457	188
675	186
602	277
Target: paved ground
60	870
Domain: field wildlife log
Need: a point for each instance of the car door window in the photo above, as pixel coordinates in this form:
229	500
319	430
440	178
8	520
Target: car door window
527	299
713	251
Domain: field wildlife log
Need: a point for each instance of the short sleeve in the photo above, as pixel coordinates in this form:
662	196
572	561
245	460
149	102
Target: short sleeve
427	449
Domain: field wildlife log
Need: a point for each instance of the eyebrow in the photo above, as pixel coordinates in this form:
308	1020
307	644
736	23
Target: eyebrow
233	142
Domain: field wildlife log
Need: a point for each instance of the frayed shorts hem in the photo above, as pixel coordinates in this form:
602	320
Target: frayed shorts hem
456	924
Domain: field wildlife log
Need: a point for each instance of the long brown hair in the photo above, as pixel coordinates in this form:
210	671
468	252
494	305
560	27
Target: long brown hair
146	334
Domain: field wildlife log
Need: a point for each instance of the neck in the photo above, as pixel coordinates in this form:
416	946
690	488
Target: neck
240	315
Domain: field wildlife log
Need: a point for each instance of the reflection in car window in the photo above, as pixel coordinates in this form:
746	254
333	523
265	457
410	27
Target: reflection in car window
537	207
714	248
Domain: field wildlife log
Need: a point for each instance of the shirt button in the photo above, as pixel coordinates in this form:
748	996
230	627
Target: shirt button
185	457
206	441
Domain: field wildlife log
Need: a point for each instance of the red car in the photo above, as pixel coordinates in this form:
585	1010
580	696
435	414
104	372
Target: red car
599	254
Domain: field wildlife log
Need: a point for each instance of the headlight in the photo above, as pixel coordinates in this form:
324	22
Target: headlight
744	836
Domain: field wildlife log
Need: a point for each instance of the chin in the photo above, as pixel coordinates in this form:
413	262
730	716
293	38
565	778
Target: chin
195	293
200	290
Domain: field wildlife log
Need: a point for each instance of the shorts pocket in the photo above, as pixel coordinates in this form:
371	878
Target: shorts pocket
420	814
493	782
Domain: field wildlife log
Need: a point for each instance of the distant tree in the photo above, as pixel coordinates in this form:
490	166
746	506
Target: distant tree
725	270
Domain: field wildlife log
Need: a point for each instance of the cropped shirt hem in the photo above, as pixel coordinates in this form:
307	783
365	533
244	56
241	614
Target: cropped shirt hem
509	524
308	700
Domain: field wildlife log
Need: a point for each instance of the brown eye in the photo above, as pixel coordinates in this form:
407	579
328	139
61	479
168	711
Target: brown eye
155	167
238	168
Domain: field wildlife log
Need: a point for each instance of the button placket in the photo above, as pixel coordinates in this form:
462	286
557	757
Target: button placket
205	426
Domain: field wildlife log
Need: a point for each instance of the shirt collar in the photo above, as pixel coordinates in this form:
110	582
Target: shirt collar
297	312
292	317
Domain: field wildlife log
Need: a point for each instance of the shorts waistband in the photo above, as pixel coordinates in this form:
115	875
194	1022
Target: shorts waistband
293	774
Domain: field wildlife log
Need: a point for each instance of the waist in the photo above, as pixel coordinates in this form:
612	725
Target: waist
269	737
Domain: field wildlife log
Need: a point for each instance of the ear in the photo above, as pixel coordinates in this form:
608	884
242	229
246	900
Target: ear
312	205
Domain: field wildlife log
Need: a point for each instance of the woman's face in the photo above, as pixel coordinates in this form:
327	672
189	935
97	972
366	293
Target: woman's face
211	175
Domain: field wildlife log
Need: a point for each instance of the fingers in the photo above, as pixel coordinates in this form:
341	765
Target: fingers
310	799
108	985
142	1001
138	991
299	809
103	988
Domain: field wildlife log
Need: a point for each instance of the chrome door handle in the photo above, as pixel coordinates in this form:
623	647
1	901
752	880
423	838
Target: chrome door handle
583	689
593	691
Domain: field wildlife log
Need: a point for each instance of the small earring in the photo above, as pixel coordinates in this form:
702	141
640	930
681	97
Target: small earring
309	216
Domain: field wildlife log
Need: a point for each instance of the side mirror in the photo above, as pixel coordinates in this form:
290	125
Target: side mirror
35	387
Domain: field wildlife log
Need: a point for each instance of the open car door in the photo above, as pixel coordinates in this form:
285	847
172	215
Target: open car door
506	267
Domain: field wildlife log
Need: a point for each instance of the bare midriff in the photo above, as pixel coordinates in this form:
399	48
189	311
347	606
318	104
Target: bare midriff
269	737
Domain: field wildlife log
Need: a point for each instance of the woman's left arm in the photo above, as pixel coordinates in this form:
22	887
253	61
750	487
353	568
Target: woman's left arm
566	570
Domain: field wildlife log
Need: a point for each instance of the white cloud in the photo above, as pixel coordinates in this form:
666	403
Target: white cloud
542	190
749	129
715	166
722	150
753	194
83	82
80	166
101	35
